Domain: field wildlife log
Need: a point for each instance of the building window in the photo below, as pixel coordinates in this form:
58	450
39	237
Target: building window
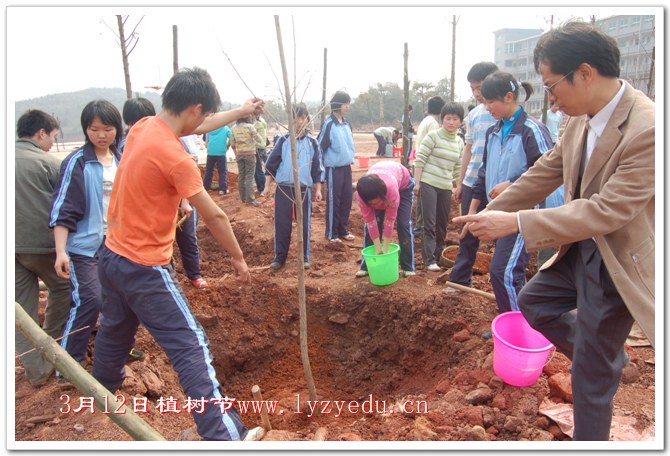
635	21
648	18
623	23
611	26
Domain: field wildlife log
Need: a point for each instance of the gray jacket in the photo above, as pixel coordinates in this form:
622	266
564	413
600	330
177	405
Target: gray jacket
35	177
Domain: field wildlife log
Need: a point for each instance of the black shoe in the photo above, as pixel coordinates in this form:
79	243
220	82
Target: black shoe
135	355
276	265
486	335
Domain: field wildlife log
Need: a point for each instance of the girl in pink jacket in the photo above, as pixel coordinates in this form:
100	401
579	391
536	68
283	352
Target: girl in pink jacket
385	194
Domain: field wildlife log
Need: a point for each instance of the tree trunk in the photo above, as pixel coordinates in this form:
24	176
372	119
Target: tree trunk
650	81
323	90
124	56
175	49
545	100
453	60
304	353
405	124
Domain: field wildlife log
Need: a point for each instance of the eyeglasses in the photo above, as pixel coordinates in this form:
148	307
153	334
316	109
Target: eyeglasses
550	89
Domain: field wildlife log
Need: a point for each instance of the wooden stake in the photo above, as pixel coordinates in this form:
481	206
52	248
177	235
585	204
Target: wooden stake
265	420
122	415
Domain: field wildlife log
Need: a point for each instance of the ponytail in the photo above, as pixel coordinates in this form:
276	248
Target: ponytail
528	88
496	85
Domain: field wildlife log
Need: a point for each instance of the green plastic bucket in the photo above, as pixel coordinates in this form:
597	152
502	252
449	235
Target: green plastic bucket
383	268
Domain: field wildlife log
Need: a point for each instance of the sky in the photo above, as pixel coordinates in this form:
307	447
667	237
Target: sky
55	49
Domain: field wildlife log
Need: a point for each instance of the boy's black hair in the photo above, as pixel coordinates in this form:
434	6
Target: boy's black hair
339	98
108	115
247	119
370	187
135	109
453	108
190	86
498	84
435	105
480	70
32	121
300	109
566	47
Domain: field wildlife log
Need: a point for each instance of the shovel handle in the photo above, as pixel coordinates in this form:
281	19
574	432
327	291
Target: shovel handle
471	290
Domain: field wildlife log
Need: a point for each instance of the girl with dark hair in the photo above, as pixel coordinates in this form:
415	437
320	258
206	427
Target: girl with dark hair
384	194
513	144
79	218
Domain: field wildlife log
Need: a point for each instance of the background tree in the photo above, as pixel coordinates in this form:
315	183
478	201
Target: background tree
443	89
422	91
127	44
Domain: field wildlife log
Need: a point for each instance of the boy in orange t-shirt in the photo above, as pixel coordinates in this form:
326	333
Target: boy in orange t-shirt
139	283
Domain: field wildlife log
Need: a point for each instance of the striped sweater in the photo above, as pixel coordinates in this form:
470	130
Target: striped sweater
439	155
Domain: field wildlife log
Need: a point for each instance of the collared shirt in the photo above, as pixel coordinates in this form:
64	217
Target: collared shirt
598	122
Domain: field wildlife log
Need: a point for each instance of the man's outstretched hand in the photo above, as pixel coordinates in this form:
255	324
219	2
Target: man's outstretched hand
489	225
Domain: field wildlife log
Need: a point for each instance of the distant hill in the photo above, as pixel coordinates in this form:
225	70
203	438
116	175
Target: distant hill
67	107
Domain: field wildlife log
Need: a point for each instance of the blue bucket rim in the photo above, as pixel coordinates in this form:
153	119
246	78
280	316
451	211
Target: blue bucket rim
510	345
393	249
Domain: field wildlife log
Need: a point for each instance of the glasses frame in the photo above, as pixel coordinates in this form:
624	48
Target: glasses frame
550	89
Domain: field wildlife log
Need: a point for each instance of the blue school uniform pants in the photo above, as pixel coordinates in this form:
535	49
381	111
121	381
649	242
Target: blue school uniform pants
404	227
259	176
285	196
461	272
86	304
187	241
338	201
150	295
508	271
222	166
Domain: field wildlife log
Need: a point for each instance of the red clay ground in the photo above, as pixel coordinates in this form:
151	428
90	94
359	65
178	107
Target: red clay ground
405	342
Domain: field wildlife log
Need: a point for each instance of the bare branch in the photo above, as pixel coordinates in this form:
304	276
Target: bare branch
136	25
116	35
235	69
128	51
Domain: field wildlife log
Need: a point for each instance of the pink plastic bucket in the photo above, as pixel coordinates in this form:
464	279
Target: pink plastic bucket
519	352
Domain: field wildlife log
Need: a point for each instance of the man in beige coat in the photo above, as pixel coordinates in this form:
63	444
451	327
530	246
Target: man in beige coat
585	298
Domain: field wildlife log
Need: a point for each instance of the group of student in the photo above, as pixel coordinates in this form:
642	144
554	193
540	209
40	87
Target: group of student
113	205
248	139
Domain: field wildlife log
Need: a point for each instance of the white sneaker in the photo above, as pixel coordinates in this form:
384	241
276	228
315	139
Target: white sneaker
361	273
408	273
255	434
433	267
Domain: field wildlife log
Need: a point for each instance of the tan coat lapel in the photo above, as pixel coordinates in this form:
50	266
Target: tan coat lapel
609	139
